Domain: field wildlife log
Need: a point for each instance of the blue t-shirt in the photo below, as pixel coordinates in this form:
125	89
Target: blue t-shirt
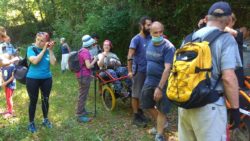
42	69
7	73
157	57
140	44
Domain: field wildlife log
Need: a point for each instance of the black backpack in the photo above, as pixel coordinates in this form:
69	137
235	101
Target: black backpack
22	68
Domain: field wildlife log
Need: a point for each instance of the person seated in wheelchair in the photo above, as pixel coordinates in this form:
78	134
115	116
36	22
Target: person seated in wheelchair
111	64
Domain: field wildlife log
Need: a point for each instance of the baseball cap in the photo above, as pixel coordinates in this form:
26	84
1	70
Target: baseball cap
224	6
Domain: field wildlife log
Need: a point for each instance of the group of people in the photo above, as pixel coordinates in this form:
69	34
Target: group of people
150	58
7	59
149	61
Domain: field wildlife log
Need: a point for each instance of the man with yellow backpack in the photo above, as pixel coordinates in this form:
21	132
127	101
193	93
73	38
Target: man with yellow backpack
202	76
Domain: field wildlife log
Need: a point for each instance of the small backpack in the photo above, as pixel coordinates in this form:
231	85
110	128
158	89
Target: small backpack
73	61
189	83
22	68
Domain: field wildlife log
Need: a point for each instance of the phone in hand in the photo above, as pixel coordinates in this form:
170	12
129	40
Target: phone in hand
51	43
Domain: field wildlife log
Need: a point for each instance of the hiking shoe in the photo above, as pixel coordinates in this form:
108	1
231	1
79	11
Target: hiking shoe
32	127
84	119
47	123
138	121
159	137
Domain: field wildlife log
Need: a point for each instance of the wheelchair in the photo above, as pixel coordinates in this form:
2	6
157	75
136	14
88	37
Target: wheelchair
243	132
108	93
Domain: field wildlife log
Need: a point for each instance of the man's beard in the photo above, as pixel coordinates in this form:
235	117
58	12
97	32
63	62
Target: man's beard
146	32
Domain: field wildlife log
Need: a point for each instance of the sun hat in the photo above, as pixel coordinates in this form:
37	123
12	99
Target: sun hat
87	41
224	6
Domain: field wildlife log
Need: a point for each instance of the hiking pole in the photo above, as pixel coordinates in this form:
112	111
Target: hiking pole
95	91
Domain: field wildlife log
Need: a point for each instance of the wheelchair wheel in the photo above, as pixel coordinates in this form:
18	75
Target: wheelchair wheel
108	98
243	133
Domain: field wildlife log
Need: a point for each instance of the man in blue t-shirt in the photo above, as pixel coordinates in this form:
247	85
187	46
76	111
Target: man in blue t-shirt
159	56
137	68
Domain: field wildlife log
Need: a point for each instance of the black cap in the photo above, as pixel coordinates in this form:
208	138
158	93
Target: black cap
94	35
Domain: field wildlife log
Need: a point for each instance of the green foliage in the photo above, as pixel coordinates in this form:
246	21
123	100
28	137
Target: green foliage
113	19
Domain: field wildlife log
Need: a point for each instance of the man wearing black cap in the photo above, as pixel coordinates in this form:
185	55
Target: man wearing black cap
208	123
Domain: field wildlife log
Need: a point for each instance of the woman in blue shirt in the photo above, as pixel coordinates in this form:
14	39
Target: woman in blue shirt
39	76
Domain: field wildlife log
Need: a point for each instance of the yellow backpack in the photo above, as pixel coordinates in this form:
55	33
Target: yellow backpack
189	81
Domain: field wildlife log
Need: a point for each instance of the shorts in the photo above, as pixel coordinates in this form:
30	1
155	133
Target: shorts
147	100
207	123
138	81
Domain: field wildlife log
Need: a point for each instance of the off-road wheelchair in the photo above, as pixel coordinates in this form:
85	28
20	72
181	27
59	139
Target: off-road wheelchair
107	88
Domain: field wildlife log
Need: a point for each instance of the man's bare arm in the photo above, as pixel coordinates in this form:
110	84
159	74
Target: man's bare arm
131	53
231	87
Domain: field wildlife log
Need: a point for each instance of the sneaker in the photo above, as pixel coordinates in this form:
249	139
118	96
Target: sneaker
84	119
143	117
159	137
138	121
152	131
47	123
32	127
166	125
7	115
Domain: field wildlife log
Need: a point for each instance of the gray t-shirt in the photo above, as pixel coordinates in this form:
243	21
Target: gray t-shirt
225	54
110	61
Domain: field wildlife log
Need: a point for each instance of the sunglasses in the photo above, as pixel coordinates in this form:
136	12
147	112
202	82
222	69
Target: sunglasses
43	34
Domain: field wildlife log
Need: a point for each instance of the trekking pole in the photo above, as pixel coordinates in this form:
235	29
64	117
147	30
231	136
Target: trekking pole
95	91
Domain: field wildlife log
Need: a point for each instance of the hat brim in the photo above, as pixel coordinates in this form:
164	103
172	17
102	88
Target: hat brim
88	43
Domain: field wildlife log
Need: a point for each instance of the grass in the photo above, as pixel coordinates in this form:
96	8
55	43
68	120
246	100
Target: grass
106	126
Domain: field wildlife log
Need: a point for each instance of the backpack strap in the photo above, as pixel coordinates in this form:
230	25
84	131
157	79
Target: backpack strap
188	38
211	37
26	57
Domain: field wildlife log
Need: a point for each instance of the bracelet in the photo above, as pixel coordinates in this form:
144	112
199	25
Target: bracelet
130	59
159	88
